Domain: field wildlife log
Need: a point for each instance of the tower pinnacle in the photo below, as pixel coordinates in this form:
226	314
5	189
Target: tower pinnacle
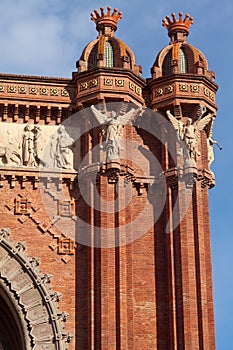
175	26
107	20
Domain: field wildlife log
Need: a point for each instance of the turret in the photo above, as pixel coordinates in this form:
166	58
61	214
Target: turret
181	80
107	66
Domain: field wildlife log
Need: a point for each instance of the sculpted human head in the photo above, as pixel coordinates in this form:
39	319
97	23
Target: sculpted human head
61	129
113	115
28	127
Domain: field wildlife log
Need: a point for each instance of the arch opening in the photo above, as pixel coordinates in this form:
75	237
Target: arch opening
11	329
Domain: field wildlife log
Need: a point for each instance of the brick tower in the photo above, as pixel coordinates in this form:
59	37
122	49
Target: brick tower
182	83
104	178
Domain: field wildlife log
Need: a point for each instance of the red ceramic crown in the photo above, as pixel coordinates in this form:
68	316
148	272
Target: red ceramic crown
173	25
101	19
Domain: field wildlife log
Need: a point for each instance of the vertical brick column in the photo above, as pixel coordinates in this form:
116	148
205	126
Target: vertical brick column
171	275
144	282
186	291
122	262
204	269
107	262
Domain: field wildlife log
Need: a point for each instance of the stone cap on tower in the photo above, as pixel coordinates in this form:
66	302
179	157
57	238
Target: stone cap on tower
106	21
178	26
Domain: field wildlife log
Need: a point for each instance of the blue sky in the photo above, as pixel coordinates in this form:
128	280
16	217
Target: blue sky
47	37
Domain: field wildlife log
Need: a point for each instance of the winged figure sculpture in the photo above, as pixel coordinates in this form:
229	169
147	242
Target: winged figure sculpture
189	132
113	129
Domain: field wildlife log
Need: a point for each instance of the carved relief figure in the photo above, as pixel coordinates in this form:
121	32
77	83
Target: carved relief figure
9	156
190	132
114	129
60	150
32	146
28	146
38	144
10	152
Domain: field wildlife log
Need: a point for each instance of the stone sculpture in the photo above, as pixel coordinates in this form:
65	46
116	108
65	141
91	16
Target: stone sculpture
32	146
113	129
38	142
210	143
189	132
28	146
10	153
60	149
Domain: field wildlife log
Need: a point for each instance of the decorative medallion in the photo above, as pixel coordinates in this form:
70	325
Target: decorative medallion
22	89
183	87
83	86
209	94
33	90
138	90
194	88
43	91
54	92
11	88
168	89
108	81
93	83
158	92
64	92
119	82
131	86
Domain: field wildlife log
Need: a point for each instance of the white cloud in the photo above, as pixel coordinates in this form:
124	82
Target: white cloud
42	38
28	35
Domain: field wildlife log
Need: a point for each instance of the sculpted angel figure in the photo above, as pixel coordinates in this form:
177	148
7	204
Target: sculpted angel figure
114	129
189	132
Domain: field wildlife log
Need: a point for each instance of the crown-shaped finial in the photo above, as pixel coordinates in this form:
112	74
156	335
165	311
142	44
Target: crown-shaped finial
102	20
173	25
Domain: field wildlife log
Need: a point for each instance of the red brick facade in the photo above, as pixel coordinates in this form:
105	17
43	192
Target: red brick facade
127	241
